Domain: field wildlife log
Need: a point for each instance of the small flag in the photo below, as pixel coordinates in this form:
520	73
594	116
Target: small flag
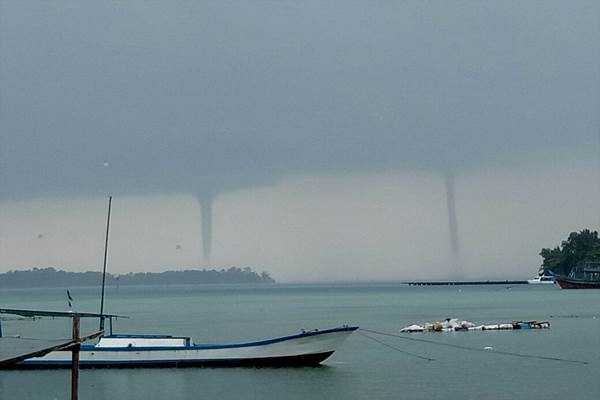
69	299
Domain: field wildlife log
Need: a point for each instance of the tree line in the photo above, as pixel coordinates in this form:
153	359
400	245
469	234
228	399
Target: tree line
579	247
52	277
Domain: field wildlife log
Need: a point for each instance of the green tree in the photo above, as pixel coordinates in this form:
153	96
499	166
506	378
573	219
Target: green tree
579	246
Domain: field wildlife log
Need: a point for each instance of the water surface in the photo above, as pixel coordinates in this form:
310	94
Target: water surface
360	369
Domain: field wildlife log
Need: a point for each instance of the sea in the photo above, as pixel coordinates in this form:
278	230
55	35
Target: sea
562	362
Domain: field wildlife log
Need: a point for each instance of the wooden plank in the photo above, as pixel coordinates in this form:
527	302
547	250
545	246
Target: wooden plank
66	314
13	349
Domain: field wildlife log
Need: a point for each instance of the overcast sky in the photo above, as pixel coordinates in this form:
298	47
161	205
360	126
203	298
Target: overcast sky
321	132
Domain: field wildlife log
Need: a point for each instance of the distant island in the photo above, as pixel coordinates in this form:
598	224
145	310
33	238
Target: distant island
51	277
579	247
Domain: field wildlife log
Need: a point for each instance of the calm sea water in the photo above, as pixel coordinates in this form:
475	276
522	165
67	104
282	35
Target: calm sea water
360	369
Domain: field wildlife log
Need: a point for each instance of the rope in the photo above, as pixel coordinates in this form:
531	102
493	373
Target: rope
396	348
461	347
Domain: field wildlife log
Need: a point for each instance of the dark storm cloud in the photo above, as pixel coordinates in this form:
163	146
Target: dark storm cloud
206	97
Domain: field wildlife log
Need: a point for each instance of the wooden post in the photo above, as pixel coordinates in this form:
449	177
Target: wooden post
75	360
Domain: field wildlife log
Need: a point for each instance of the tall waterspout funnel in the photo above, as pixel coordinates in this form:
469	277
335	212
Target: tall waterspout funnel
457	271
206	213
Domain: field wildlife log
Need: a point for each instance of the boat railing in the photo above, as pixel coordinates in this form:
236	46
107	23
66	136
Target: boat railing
589	270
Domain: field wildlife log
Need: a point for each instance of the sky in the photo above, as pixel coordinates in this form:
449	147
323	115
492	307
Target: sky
309	139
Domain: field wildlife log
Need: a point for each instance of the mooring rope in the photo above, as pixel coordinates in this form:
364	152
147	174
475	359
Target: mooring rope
461	347
396	348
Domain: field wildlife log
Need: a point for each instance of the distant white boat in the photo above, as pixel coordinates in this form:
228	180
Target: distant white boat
541	280
308	348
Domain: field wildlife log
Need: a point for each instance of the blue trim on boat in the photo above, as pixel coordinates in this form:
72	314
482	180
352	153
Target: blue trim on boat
303	360
91	347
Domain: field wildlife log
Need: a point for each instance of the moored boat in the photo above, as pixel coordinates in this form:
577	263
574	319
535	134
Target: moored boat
542	280
582	276
307	348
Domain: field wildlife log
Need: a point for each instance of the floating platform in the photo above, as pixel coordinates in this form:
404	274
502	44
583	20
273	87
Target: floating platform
455	325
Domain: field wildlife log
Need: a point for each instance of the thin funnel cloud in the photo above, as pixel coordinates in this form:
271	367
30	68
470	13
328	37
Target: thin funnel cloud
206	209
453	225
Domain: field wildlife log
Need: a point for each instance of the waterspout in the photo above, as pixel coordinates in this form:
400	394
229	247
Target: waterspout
457	271
206	212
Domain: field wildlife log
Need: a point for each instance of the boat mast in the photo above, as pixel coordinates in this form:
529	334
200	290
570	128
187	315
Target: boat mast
104	269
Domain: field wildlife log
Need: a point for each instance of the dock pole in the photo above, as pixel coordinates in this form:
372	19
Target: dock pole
75	360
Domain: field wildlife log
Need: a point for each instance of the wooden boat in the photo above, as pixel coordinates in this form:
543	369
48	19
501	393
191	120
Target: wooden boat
307	348
583	276
569	283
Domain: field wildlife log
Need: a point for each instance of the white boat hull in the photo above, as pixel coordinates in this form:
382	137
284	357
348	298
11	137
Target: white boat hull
127	351
539	282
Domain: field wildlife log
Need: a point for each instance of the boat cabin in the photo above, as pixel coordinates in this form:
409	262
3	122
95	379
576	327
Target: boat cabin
144	341
586	271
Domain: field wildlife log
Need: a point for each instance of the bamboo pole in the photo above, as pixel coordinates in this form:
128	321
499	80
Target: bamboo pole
104	269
